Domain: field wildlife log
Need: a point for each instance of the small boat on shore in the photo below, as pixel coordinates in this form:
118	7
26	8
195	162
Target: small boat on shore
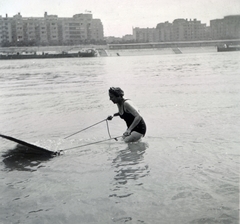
228	48
34	55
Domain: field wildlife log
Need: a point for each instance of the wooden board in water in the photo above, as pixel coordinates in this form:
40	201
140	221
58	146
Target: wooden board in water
34	148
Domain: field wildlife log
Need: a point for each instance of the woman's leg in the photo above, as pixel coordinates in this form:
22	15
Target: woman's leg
133	137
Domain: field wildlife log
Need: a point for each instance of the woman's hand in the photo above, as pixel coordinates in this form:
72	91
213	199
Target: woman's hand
127	133
110	117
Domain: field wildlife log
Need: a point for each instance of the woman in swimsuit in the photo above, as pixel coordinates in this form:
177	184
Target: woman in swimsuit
136	127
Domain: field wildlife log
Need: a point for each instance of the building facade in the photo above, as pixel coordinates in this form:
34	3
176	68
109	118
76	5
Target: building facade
5	30
226	28
50	30
182	30
145	34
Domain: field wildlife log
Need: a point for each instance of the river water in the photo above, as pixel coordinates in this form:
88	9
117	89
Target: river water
185	170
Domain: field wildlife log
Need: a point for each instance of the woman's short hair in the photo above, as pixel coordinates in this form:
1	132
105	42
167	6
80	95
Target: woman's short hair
116	91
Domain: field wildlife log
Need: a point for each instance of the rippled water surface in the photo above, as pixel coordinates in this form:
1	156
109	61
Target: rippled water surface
185	170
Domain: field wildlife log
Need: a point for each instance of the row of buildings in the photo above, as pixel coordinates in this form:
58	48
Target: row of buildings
193	30
50	30
84	29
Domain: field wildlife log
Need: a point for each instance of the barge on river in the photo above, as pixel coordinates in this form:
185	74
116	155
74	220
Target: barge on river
226	48
84	53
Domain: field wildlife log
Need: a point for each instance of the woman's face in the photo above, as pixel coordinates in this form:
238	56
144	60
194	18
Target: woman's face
113	98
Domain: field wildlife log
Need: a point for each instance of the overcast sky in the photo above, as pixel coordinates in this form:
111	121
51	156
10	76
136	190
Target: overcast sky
119	16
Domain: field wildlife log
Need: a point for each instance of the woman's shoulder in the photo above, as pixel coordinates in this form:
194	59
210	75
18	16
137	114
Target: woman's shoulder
128	104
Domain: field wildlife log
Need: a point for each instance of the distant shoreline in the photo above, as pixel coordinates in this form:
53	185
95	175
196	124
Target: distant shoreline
45	49
162	46
176	44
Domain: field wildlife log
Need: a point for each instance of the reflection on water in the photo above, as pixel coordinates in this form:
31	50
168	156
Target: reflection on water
129	168
22	159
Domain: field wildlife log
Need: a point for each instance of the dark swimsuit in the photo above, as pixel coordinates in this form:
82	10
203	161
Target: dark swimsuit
141	126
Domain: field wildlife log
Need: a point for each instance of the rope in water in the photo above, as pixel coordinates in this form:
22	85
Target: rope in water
85	128
108	129
115	138
92	143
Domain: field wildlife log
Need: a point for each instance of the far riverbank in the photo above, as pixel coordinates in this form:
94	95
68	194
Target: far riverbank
104	51
132	49
47	49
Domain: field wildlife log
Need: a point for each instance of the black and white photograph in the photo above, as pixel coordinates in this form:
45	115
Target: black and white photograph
121	111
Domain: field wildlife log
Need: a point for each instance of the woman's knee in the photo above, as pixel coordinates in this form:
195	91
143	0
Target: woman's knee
135	136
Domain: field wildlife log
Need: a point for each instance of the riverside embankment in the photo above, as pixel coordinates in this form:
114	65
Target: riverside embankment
132	49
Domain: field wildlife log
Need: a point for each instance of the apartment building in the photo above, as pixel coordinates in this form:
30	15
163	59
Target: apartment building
164	31
145	34
96	29
226	28
182	30
41	31
5	29
50	30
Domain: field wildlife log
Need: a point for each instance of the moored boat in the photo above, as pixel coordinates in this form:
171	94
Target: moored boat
228	48
87	53
82	53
